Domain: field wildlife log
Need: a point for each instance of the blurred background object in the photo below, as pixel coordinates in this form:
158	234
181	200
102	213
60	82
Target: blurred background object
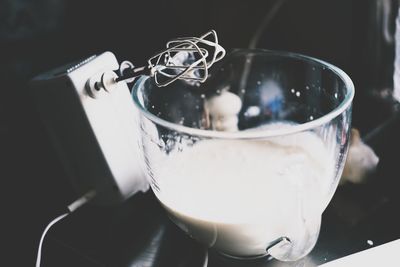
35	36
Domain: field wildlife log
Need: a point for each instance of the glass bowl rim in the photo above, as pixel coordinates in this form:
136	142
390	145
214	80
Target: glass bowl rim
260	134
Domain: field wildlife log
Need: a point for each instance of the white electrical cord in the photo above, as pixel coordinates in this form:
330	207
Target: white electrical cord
71	208
205	262
44	234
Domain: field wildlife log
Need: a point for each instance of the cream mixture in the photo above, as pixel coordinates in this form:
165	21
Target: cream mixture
240	195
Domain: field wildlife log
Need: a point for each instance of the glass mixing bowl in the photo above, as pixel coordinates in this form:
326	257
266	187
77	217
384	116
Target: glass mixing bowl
259	186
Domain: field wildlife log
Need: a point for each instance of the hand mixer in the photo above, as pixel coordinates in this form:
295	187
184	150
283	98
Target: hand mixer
87	110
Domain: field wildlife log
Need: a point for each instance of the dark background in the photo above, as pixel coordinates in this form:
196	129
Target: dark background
36	36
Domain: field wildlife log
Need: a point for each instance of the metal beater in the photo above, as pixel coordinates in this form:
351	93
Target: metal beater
185	58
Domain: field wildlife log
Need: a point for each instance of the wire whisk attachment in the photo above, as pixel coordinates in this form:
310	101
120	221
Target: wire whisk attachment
185	58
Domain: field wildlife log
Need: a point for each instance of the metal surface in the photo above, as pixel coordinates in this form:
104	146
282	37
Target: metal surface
185	58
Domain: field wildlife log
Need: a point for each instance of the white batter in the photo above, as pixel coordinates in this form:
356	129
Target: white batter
223	110
239	195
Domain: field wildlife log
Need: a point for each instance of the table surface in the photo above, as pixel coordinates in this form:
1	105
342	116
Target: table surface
138	233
